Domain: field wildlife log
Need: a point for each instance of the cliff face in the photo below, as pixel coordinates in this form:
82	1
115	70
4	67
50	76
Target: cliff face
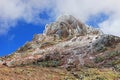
70	44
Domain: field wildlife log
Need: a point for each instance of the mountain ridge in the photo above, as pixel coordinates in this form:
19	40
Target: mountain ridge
69	44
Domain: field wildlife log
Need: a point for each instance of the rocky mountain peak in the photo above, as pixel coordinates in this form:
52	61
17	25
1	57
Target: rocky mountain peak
67	26
67	42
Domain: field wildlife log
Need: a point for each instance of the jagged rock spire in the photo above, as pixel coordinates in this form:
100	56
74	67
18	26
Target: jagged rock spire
67	25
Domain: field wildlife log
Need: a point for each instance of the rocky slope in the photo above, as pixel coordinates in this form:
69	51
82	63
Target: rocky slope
69	44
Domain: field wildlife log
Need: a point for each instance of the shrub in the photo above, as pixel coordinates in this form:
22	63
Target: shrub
117	67
51	63
46	44
113	54
99	59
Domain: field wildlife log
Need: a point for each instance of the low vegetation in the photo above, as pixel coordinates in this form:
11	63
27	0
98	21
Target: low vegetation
97	74
51	63
34	73
44	73
110	59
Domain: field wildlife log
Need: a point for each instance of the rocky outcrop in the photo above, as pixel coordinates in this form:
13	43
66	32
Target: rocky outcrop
66	43
67	26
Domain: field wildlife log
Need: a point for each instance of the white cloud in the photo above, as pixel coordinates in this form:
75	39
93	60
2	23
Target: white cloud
13	10
85	8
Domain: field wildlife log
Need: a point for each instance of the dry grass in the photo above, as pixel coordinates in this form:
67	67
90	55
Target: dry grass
40	73
34	73
97	74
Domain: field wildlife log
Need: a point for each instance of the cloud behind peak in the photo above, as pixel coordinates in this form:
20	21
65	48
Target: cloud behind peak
11	11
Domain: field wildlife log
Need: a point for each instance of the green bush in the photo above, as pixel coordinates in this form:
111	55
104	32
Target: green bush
99	59
100	78
113	54
117	67
51	63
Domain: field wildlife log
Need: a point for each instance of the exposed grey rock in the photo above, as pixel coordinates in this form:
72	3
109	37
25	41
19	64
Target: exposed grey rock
67	40
1	62
38	37
67	25
105	41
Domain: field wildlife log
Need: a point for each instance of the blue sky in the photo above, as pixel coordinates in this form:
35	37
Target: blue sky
94	20
21	33
21	19
17	36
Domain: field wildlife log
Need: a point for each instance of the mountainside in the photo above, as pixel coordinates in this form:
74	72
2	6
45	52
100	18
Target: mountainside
68	50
